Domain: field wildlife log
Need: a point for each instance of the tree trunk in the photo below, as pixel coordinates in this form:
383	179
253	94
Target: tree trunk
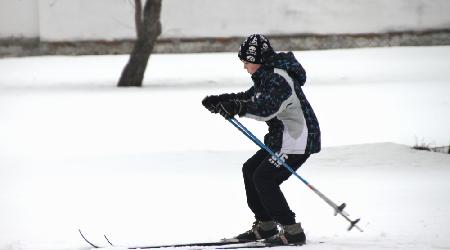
138	17
148	29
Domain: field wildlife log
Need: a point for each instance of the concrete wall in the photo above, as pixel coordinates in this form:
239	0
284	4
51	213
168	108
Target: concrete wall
239	18
81	20
19	18
37	27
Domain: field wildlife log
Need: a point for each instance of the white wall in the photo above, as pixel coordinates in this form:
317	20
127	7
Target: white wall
69	20
86	19
19	18
238	17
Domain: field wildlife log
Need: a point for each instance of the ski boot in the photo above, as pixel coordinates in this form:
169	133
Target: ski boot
260	230
288	235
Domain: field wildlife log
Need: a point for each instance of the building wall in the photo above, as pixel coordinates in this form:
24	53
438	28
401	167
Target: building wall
234	18
85	20
80	20
19	18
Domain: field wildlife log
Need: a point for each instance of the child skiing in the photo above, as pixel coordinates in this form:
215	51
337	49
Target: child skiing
276	97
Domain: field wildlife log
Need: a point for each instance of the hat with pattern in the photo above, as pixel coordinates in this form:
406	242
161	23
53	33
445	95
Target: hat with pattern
255	49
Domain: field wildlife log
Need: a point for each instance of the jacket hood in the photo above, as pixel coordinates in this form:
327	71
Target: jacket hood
288	62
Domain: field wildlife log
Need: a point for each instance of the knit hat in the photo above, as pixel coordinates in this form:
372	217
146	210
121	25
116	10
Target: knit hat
255	49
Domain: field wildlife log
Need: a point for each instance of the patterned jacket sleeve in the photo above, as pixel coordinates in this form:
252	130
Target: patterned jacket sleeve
273	98
241	96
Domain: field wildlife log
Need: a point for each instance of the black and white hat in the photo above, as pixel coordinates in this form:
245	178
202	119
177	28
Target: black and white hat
255	49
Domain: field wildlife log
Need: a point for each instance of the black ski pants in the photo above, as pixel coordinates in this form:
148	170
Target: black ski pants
262	181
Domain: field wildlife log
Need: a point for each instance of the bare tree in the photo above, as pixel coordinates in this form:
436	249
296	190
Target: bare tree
148	28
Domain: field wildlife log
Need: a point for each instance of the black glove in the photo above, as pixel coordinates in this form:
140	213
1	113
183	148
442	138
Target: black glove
231	108
210	102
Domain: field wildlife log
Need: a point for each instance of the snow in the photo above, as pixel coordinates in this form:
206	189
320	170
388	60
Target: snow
152	166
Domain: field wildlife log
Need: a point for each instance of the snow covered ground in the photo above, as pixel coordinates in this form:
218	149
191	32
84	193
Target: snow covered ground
152	166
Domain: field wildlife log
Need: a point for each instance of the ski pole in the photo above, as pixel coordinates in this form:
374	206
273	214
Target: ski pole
337	209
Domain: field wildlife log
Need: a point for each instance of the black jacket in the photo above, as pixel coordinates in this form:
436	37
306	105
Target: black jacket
277	98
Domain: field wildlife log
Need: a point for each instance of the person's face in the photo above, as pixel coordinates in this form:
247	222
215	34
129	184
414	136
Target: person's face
250	67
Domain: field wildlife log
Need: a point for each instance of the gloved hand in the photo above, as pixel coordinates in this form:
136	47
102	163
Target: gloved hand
210	102
231	108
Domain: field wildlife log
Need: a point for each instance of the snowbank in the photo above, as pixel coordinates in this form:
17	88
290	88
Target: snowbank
399	193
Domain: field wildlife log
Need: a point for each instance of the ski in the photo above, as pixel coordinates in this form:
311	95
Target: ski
223	244
88	241
251	245
264	245
197	244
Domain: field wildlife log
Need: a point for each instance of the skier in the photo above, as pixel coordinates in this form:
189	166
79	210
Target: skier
276	97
